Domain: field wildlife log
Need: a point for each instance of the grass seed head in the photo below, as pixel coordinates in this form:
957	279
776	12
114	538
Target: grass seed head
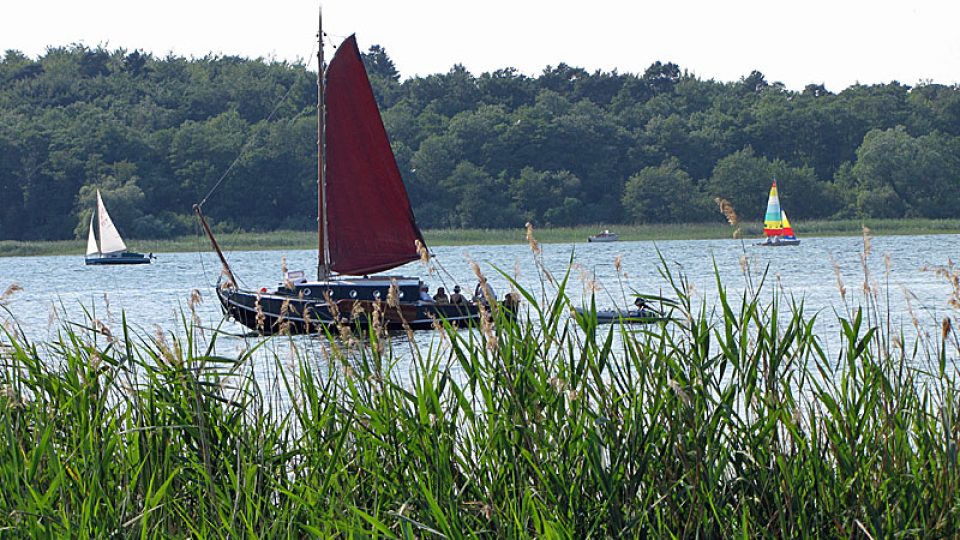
283	272
261	316
867	244
102	329
532	241
836	272
227	283
283	320
163	347
195	299
681	393
11	290
393	295
423	252
726	208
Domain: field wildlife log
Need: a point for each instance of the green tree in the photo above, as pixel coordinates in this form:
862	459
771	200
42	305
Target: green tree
481	200
743	179
383	75
900	175
547	198
663	194
120	193
506	87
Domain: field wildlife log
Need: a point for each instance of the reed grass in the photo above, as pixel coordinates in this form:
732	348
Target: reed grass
728	420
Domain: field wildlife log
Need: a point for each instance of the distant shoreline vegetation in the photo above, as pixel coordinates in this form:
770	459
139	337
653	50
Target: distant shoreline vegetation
297	240
563	149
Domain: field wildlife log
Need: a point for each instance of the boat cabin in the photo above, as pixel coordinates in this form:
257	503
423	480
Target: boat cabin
367	288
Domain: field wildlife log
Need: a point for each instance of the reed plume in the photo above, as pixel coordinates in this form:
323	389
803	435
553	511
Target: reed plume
261	316
726	208
12	289
423	252
532	241
195	300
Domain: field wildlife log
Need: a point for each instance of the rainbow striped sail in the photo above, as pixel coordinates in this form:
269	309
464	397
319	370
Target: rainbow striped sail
776	227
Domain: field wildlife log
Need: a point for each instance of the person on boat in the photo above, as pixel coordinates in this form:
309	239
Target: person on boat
642	306
425	294
511	302
441	296
456	297
478	295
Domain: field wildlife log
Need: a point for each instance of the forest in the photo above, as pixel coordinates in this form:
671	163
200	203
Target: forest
494	150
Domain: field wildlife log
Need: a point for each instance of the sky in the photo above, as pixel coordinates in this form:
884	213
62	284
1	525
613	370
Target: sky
837	43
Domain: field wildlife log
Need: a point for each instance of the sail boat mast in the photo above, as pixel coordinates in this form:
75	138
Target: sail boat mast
323	264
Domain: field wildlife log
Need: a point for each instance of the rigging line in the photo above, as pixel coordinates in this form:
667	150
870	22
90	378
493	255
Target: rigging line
250	141
444	270
203	266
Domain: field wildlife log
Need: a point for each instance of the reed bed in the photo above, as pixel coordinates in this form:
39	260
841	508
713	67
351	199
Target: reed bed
291	239
727	420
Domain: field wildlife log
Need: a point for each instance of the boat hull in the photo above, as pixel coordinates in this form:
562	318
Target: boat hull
280	313
123	258
783	243
632	316
603	238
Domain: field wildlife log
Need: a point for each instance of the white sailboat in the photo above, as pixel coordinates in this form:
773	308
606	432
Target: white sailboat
112	249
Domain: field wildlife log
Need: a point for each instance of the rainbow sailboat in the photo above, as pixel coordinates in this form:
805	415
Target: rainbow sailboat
776	226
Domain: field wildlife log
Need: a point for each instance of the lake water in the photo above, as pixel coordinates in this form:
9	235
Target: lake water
157	294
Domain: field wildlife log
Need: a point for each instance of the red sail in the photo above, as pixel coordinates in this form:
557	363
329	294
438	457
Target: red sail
370	224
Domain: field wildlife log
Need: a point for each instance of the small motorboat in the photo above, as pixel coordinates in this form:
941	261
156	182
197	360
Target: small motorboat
605	236
624	316
642	313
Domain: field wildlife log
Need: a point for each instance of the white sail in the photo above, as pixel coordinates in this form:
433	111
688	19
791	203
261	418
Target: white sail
110	241
92	248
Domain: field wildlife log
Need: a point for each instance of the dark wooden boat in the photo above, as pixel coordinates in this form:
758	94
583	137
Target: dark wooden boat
310	306
366	226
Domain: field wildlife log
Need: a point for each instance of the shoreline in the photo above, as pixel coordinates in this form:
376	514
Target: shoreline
301	240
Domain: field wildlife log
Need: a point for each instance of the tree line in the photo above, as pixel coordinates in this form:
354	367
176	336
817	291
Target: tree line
567	147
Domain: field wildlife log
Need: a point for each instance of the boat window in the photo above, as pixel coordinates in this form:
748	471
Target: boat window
376	294
353	293
306	291
400	295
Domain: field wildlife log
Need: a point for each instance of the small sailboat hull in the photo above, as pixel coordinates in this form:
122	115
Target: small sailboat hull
128	257
782	243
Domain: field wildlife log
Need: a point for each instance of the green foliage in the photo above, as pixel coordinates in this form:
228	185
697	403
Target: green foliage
888	163
71	118
663	194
